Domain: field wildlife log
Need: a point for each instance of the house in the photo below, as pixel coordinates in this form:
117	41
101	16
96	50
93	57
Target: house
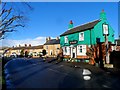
1	52
35	51
52	47
76	41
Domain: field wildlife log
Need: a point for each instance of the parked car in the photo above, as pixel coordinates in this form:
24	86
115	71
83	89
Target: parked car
13	55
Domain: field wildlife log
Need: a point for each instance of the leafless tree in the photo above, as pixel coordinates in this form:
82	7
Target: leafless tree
12	16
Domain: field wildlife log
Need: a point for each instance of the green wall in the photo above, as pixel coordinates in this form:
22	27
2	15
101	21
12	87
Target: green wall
96	32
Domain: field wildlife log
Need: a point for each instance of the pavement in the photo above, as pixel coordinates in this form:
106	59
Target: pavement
35	73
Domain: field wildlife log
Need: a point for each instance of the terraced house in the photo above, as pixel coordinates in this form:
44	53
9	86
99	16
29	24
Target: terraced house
35	51
52	46
76	41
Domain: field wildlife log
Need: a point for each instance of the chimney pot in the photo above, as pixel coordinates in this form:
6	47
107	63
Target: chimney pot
46	39
25	45
71	22
29	45
49	38
102	10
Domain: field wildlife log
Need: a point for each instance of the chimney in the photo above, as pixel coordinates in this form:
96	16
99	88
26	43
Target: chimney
29	45
102	10
46	39
71	22
57	38
103	15
70	25
49	38
25	45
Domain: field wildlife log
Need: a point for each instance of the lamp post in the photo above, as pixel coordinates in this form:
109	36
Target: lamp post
106	33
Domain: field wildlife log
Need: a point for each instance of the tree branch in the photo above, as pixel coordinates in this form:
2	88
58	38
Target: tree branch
11	19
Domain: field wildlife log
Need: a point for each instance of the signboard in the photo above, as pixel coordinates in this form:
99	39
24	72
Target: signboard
73	42
105	29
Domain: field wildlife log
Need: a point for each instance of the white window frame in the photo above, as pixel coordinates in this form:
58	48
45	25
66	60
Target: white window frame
81	38
66	50
83	50
66	39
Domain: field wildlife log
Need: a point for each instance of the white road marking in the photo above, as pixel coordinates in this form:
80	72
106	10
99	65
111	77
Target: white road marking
86	72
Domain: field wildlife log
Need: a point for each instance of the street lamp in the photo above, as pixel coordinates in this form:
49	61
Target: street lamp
106	33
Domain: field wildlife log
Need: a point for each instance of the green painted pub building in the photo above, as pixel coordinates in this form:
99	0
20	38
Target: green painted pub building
76	40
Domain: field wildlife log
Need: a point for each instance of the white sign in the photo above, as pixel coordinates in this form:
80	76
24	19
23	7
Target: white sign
105	29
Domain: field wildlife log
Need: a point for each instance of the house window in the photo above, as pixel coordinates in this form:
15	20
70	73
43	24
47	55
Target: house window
81	36
66	39
56	52
63	50
81	50
46	47
66	50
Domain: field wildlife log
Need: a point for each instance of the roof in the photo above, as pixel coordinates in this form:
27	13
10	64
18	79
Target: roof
29	47
52	41
80	28
117	41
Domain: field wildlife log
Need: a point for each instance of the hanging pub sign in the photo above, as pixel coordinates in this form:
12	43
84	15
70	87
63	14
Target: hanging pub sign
73	42
105	29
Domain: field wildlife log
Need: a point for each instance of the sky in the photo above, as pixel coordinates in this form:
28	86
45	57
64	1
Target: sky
52	19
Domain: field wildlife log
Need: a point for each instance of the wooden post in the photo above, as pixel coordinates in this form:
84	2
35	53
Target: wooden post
107	48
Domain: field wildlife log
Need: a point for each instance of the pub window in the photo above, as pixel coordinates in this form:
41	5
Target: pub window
81	36
65	49
80	49
66	39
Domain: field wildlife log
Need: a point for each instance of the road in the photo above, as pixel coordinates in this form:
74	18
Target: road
35	73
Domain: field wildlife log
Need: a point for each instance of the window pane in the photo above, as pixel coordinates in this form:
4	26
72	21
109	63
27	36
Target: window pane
80	50
81	36
65	50
80	47
66	39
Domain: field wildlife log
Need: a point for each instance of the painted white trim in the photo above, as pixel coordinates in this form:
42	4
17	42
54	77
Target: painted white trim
81	36
73	50
67	51
66	39
83	50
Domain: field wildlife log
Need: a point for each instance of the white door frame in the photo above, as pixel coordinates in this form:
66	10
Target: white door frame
73	50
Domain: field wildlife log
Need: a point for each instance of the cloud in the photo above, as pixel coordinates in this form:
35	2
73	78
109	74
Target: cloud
34	42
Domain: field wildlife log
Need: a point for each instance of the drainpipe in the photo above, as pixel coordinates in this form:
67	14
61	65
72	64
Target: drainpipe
90	37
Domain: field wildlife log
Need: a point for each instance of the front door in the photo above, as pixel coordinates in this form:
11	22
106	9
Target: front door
73	52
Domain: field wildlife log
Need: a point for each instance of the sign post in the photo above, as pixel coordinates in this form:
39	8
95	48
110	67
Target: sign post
106	33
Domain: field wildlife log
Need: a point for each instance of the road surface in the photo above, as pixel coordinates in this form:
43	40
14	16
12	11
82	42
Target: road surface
35	73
